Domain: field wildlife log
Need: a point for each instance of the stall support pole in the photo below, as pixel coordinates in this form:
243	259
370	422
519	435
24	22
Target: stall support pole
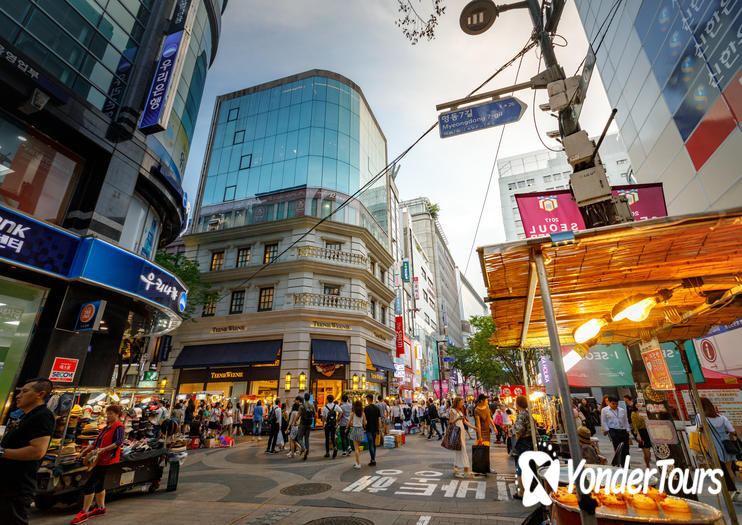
64	432
526	382
560	375
707	432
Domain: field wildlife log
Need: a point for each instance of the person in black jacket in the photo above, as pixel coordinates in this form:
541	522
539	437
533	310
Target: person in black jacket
433	419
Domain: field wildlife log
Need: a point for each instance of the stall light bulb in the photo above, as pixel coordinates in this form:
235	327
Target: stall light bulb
638	311
570	360
589	330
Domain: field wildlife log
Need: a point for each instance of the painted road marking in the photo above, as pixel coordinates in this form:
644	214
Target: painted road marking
502	491
421	483
424	520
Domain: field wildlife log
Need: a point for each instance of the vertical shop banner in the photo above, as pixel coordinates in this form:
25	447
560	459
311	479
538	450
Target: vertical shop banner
399	329
444	388
544	213
437	387
398	301
602	366
416	287
406	270
657	369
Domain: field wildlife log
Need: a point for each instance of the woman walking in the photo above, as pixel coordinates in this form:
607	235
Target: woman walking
721	430
587	417
294	428
357	424
284	427
443	413
108	448
188	416
523	440
458	419
228	420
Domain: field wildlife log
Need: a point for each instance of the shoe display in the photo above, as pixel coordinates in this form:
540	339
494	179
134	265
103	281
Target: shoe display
80	517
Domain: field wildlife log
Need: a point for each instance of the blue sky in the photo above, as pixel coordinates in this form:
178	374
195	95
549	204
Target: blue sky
263	41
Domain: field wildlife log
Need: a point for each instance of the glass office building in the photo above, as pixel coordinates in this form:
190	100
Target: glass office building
273	146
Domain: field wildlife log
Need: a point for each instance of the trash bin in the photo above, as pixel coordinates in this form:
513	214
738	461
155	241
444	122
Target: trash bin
173	474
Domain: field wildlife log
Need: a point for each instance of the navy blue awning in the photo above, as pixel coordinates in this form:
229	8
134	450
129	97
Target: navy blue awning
326	351
380	359
229	354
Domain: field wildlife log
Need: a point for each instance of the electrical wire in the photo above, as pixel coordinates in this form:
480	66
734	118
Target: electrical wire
489	182
529	45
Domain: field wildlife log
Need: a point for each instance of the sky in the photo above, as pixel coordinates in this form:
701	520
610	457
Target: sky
265	40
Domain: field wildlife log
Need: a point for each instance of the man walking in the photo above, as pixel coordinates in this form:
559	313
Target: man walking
274	422
373	424
384	411
616	425
346	409
21	450
306	419
330	415
433	417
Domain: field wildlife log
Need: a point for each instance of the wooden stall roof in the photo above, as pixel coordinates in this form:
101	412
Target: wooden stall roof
605	265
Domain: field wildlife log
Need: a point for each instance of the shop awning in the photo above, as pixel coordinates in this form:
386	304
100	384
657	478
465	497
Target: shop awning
229	354
380	359
327	351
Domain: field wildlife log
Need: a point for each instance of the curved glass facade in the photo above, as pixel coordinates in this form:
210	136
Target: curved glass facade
173	144
315	132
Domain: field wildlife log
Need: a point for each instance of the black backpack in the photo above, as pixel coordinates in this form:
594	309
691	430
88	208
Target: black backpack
307	415
331	419
272	416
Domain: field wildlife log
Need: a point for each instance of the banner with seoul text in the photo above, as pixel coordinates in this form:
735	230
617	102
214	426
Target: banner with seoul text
547	212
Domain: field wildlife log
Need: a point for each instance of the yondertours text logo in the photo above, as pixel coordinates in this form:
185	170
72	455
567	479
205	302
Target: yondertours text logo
611	480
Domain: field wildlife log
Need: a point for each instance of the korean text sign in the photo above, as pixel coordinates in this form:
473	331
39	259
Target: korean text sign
63	370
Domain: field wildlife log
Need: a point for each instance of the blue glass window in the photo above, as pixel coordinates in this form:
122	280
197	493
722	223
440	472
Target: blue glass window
331	144
305	116
343	153
302	145
294	114
317	140
233	114
314	175
239	137
279	152
275	97
318	113
291	144
245	161
283	120
260	125
331	116
271	123
229	193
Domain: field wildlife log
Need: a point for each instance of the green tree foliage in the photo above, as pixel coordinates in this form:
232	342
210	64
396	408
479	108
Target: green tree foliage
199	292
434	210
490	364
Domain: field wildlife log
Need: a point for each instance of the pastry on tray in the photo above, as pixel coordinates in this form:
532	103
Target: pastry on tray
612	500
675	505
655	494
565	497
643	502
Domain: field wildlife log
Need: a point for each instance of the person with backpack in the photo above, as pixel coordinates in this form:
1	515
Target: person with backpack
274	424
306	420
331	413
347	409
433	418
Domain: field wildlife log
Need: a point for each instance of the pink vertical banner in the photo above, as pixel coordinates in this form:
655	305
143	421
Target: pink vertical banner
466	389
444	388
437	387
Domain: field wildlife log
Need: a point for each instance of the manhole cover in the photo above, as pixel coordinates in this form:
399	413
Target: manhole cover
340	520
305	489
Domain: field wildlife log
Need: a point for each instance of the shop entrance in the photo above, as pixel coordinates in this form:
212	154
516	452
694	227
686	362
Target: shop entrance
326	387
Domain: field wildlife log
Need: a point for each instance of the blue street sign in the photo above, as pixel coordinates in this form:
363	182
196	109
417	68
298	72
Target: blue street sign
487	115
448	359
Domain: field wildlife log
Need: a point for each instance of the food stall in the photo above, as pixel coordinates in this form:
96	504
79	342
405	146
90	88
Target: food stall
79	415
663	280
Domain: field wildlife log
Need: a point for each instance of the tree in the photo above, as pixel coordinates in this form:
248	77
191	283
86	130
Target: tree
414	26
491	365
199	292
434	210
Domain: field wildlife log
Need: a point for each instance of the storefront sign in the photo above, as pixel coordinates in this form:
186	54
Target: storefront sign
544	213
406	270
375	377
20	63
603	366
512	390
150	375
416	287
380	336
90	316
728	401
119	82
41	247
63	370
333	325
399	328
398	301
228	328
228	375
657	370
147	384
398	371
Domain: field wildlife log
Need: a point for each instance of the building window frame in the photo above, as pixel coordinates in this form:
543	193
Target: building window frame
239	137
246	161
229	193
217	261
243	257
331	289
209	308
237	302
233	114
270	252
265	299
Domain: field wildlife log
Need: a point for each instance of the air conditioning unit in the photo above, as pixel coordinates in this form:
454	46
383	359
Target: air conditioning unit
214	225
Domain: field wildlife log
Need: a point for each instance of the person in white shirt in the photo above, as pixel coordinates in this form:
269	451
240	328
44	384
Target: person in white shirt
616	426
331	415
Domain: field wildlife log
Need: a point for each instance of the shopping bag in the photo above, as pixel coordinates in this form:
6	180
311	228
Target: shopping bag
697	442
279	440
480	459
452	438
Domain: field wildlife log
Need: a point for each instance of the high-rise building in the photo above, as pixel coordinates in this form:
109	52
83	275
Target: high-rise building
546	170
282	159
670	67
470	303
98	101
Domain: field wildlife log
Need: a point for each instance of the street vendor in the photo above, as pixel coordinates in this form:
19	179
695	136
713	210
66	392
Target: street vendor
107	446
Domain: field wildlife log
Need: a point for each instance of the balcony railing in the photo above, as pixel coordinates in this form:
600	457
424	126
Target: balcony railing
328	254
336	302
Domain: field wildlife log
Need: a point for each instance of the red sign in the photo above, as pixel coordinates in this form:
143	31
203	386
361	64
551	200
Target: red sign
400	335
708	350
63	370
657	369
512	390
547	212
87	313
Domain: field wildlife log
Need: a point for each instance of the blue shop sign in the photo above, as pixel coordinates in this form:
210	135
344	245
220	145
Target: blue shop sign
155	115
406	271
38	246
